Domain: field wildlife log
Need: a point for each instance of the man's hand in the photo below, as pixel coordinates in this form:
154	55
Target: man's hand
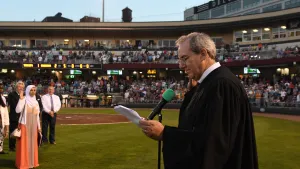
51	113
153	129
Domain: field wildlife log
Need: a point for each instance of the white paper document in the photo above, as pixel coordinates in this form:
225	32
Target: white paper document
130	114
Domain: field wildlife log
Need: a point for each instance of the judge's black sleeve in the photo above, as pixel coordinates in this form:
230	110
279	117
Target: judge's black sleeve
222	136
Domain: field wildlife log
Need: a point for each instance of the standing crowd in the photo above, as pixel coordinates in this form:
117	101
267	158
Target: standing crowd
24	116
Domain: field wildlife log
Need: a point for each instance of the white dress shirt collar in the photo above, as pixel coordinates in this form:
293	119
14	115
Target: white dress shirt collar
209	70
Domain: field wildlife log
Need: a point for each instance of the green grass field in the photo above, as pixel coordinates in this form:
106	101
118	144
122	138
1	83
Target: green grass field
123	146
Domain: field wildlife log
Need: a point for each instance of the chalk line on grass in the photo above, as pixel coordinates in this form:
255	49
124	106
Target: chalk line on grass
93	124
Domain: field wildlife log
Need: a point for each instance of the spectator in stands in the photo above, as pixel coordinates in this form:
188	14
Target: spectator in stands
298	100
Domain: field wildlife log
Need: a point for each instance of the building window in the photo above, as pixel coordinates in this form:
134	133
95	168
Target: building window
17	43
238	36
256	34
233	7
247	35
282	32
291	33
145	43
172	43
63	43
203	15
292	4
252	12
41	43
279	32
190	18
1	43
266	34
167	43
272	8
160	43
250	3
98	43
104	43
218	41
216	12
298	32
127	43
264	1
275	33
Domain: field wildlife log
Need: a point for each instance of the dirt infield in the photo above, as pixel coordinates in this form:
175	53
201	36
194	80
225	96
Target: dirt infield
73	119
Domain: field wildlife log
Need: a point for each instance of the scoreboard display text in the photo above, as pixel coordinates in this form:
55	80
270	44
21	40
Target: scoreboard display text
63	66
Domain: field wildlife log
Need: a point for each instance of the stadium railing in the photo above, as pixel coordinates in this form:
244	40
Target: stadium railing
96	102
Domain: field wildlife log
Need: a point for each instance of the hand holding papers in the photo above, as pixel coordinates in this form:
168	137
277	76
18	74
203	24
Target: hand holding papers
130	114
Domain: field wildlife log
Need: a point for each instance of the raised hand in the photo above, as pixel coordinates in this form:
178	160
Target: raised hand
21	94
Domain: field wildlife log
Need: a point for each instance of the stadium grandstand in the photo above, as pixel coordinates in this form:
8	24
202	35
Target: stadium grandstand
102	63
97	84
230	8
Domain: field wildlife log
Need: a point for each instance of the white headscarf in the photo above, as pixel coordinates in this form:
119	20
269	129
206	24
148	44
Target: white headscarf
31	101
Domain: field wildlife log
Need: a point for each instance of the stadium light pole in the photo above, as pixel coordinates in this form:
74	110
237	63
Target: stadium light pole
102	10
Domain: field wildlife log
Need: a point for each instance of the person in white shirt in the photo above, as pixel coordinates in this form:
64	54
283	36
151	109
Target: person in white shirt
40	58
298	100
4	120
283	94
51	105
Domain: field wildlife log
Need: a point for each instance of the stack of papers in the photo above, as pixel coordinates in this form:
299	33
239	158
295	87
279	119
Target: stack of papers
130	114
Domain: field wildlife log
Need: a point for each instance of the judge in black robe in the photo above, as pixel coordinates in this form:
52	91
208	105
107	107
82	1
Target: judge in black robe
216	128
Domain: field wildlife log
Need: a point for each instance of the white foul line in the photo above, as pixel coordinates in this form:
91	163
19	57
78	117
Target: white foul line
92	124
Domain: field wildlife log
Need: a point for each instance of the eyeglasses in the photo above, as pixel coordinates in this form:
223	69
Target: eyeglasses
182	61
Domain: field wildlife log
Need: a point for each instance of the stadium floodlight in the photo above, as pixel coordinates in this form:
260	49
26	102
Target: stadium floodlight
102	10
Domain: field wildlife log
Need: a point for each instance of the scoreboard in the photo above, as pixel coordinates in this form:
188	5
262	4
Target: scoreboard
62	66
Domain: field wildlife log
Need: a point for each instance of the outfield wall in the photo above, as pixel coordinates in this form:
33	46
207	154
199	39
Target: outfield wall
278	110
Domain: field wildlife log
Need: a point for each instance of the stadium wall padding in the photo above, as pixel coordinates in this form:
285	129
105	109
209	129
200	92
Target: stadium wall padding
277	110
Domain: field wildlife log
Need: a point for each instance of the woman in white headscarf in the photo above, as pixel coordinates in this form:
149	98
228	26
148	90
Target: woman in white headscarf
29	123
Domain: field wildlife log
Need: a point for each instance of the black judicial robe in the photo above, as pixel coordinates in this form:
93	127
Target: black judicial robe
13	99
187	98
215	129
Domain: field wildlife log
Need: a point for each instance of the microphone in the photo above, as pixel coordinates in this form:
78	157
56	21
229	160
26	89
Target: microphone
167	96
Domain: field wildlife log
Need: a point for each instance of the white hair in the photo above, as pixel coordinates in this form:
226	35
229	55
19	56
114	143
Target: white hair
199	41
20	83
